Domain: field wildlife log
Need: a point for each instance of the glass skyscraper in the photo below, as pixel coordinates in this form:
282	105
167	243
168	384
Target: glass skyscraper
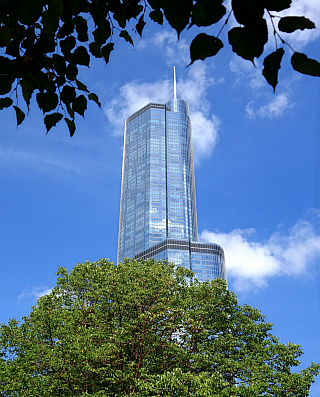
158	217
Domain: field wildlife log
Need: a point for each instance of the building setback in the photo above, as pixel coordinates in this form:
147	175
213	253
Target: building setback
158	216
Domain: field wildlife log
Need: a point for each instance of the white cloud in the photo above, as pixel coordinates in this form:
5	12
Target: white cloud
136	94
276	107
250	264
34	292
310	9
244	70
175	52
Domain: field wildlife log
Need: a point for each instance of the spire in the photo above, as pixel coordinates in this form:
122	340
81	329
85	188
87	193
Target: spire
174	83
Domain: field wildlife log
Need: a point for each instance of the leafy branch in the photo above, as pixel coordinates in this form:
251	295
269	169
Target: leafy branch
46	42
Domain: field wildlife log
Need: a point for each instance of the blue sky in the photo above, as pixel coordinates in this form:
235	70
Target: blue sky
257	176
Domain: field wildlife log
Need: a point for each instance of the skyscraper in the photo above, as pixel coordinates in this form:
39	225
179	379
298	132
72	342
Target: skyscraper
158	217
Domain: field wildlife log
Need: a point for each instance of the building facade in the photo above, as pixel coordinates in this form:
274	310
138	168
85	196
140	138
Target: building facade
158	217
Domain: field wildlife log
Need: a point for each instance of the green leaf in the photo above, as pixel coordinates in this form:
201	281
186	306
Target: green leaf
248	42
5	84
71	125
177	13
301	63
30	11
70	111
95	50
27	90
290	24
247	11
207	12
71	71
66	29
51	120
5	36
50	22
5	102
126	36
81	86
156	16
93	97
59	64
204	46
68	94
80	105
57	6
121	19
47	101
140	25
67	45
5	65
106	50
103	32
277	5
272	64
81	56
19	115
82	28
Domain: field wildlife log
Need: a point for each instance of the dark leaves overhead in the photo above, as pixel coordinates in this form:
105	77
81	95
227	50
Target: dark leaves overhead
71	126
177	13
207	12
290	24
204	46
82	28
47	101
126	36
81	56
51	120
93	97
5	103
80	104
20	116
68	94
27	90
277	5
248	42
45	43
140	25
157	16
30	11
106	50
271	65
301	63
248	11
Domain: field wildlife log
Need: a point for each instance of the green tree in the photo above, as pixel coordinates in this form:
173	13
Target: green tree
45	41
141	329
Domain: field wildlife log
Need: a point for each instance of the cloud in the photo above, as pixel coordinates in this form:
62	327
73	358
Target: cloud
250	263
136	94
175	52
275	108
245	71
311	10
34	292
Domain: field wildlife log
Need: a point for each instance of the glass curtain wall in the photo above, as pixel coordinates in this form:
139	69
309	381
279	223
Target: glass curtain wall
158	201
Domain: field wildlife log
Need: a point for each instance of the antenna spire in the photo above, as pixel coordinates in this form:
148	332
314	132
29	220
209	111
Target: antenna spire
174	83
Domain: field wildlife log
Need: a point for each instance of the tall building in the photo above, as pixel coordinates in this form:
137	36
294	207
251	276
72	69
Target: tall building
158	217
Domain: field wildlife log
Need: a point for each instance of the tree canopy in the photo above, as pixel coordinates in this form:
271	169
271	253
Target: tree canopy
44	42
144	329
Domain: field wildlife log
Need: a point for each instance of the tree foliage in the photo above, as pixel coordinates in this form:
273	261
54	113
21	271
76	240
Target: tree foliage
143	329
44	42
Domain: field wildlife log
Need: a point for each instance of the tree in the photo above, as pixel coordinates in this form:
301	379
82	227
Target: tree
145	329
45	41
